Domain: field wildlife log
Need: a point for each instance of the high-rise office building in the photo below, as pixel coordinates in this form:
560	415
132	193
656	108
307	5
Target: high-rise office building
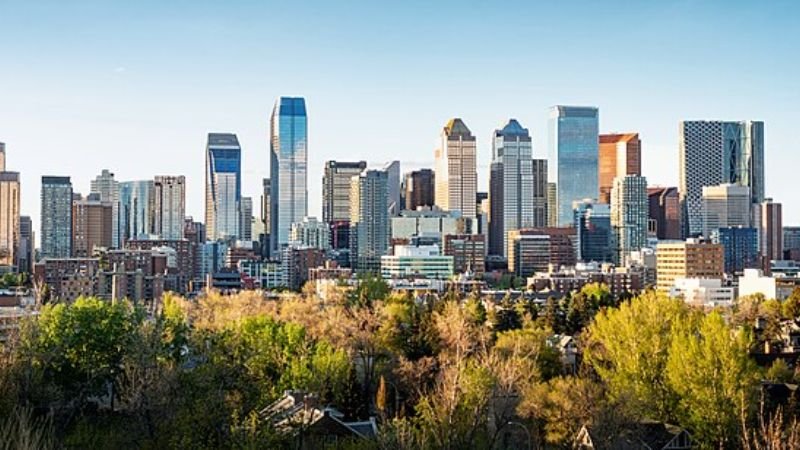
665	213
288	167
456	173
770	226
418	187
91	225
573	143
56	217
246	219
392	170
629	214
713	153
9	213
740	246
513	199
595	238
136	209
27	245
369	220
108	189
223	186
169	206
725	205
619	155
552	205
310	232
266	204
336	189
791	243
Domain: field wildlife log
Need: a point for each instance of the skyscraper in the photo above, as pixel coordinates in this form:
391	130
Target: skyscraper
512	193
91	225
573	152
595	238
392	170
56	217
629	214
713	153
369	220
418	187
246	224
136	209
726	205
336	189
740	245
9	213
108	189
266	219
770	228
223	186
619	155
27	245
665	212
288	167
456	175
552	205
169	206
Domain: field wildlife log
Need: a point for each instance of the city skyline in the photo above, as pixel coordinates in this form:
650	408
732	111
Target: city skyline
154	112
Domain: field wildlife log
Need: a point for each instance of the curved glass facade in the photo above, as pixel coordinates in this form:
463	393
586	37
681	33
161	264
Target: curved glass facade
288	168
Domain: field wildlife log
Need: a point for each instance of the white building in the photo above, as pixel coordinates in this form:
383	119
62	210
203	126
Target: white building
778	287
725	205
703	291
424	261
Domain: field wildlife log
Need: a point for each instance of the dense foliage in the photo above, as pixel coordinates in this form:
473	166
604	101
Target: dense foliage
449	373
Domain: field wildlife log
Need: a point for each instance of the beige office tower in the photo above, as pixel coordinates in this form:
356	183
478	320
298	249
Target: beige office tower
456	173
725	205
552	205
9	212
9	217
108	189
169	205
689	259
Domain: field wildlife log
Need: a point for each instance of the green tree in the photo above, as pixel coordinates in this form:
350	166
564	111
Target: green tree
709	368
629	346
791	306
79	347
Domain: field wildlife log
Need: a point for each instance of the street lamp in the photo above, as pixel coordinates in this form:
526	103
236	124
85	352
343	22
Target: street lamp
527	433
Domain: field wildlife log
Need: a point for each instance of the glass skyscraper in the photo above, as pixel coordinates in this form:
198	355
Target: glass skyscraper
223	186
56	217
596	241
288	167
573	142
514	200
136	209
713	153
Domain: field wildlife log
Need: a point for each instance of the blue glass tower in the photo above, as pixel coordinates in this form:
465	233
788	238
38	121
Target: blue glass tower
288	167
595	236
223	186
573	143
741	247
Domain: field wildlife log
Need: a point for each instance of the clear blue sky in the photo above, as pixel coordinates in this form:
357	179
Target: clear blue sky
135	86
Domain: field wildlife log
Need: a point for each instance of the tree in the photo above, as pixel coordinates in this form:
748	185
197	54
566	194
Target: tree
710	370
629	347
562	406
791	306
79	347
